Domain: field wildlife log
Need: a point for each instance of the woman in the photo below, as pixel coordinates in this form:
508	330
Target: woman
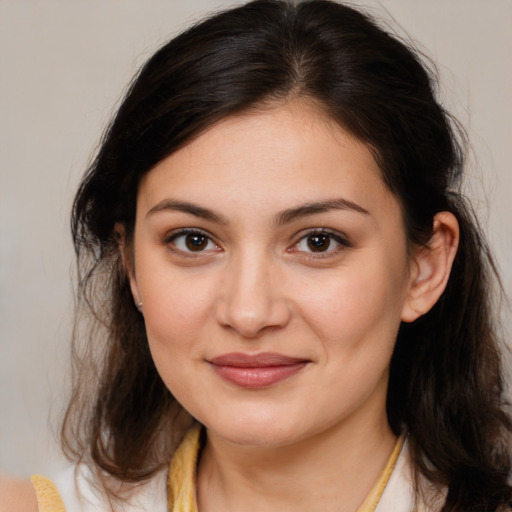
285	293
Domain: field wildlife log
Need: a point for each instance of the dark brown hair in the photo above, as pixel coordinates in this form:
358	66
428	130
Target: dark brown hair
446	384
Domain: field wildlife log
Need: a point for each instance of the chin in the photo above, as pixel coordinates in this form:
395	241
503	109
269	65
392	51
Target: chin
261	431
267	439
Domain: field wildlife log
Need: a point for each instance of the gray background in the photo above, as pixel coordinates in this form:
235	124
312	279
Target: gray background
63	66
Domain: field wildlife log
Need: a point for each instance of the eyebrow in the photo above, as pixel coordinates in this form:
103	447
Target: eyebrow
186	207
284	217
292	214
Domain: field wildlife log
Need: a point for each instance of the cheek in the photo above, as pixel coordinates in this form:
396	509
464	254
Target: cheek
354	305
176	302
175	310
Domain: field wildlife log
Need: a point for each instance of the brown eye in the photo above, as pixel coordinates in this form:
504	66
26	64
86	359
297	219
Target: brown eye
322	242
319	242
192	241
196	242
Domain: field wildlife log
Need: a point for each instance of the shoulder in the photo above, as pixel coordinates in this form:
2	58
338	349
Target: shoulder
17	495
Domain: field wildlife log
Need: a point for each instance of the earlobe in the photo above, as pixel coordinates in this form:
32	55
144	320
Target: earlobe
431	266
127	260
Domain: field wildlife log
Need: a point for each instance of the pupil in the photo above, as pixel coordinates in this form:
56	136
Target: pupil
196	242
319	243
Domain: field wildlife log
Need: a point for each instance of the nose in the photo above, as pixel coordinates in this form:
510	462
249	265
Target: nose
251	298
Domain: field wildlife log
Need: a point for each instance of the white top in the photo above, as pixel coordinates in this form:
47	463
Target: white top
79	495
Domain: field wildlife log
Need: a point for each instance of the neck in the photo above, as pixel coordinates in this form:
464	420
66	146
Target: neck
330	471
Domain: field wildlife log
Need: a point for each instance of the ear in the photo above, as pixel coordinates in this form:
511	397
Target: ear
127	259
431	266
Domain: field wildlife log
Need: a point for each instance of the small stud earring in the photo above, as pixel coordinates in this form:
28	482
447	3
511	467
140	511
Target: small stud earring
139	306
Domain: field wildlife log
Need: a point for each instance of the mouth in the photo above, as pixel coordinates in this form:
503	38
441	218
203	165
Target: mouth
258	370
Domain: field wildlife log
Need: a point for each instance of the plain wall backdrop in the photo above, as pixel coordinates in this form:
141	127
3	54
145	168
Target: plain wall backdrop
63	67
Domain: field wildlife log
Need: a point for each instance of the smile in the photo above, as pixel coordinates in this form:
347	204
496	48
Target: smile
256	371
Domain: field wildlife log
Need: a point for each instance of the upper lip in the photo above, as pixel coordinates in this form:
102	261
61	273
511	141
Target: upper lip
263	359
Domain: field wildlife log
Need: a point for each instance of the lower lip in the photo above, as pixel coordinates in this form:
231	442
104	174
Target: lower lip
258	377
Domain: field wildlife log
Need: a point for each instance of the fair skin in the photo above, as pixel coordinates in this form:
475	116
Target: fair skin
273	233
272	236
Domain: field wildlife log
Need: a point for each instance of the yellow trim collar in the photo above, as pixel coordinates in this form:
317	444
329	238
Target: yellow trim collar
48	497
182	475
182	479
372	500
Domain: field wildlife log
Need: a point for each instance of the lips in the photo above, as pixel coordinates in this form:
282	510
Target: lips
258	370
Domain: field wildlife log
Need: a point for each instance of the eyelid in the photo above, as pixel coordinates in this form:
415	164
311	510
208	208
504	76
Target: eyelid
173	235
342	239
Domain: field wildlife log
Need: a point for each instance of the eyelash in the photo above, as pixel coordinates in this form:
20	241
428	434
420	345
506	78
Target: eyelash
170	240
340	239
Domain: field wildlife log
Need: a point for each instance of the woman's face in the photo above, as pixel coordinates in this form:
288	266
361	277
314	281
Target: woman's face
272	265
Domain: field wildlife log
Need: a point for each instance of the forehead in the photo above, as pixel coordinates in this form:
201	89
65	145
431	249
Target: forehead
273	158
